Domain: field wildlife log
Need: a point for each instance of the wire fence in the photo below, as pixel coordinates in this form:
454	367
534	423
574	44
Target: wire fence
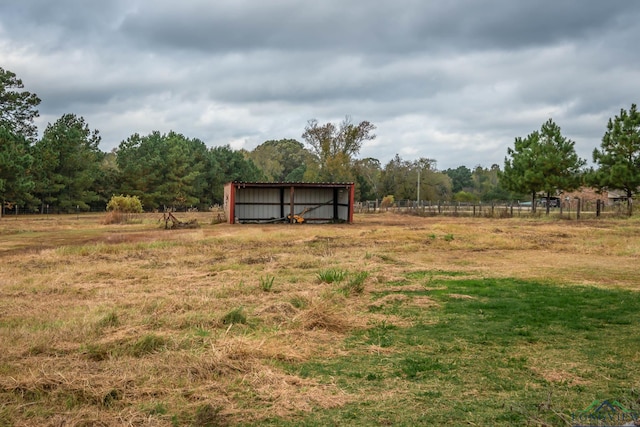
15	210
576	208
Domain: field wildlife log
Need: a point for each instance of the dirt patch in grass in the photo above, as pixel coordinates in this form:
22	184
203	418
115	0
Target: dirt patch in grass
560	376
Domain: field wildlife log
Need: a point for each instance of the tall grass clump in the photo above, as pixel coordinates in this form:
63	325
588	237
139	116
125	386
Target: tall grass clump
355	284
266	283
332	275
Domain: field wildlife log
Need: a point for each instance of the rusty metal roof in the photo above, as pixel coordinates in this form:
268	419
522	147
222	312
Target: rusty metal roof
292	184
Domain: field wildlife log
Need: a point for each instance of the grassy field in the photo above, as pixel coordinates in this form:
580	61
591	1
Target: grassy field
392	320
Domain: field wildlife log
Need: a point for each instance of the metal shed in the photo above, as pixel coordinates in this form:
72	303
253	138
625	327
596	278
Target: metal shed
272	202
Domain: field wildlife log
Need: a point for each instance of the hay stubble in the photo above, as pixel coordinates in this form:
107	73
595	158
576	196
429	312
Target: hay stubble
77	297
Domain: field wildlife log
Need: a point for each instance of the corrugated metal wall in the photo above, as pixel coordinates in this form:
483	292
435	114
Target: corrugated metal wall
258	203
311	198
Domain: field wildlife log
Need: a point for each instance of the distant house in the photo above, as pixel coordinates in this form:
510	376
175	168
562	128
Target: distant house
616	196
288	202
587	195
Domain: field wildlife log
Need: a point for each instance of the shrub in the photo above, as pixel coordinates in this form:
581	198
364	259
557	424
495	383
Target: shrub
387	201
463	196
125	204
121	208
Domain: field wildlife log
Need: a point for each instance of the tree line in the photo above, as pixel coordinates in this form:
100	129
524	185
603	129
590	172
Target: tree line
65	170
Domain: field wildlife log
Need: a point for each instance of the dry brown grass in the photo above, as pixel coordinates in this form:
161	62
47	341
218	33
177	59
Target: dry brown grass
122	324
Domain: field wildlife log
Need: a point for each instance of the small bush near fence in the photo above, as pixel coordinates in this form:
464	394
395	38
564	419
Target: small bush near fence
122	208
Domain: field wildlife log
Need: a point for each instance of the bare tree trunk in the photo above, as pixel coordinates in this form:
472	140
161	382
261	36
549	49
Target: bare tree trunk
548	202
533	202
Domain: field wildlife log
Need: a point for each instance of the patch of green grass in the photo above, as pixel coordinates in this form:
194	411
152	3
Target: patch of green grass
155	408
208	415
203	333
235	316
426	274
109	320
147	344
520	352
381	334
299	302
402	282
417	366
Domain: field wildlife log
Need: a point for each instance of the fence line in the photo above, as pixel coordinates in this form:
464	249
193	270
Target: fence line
570	209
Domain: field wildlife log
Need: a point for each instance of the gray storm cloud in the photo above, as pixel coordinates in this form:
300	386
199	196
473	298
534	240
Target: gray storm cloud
454	81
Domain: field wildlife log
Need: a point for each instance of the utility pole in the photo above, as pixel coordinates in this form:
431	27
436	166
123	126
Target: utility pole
418	187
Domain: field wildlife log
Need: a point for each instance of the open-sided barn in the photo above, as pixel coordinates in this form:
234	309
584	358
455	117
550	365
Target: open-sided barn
292	202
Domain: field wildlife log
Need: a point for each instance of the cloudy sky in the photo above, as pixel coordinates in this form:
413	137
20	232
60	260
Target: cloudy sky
455	80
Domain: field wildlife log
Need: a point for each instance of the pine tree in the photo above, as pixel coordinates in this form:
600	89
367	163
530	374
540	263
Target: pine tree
543	161
618	159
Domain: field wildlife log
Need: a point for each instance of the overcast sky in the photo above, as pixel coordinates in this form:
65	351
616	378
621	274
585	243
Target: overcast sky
455	81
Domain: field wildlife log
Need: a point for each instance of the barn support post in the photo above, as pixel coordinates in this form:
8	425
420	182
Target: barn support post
282	214
291	202
229	205
352	198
